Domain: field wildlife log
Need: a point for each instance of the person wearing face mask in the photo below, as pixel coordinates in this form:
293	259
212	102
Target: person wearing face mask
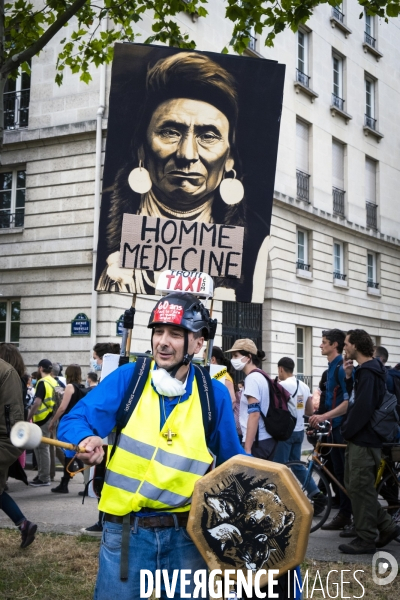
147	494
99	350
254	400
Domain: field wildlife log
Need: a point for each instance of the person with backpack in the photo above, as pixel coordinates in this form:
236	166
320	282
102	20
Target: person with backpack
166	403
255	399
300	404
364	436
336	403
74	391
41	413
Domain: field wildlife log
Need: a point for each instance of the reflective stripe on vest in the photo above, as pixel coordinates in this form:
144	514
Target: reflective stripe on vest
47	405
147	472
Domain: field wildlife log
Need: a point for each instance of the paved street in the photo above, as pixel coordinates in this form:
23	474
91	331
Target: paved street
64	513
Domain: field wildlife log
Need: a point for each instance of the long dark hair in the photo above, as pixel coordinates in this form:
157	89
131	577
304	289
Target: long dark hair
221	359
73	374
10	354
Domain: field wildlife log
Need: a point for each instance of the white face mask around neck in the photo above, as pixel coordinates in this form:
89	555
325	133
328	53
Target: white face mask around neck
167	385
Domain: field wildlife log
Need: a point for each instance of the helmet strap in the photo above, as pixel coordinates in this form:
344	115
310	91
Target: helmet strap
186	356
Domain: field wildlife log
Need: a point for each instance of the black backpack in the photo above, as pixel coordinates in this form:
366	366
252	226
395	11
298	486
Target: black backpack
279	421
385	420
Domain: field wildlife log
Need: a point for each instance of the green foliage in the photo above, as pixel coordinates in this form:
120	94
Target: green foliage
86	42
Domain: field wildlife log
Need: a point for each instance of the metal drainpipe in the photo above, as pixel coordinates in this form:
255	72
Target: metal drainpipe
97	193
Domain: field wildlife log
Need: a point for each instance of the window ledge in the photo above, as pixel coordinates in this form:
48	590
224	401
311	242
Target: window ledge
337	111
254	53
372	50
306	90
373	132
11	230
336	23
304	274
374	292
342	283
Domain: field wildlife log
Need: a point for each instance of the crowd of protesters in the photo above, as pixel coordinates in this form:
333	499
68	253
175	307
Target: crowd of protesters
348	397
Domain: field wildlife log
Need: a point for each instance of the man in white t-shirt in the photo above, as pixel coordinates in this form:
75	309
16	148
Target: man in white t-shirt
300	404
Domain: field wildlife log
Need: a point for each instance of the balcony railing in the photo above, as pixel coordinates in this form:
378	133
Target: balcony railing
16	109
307	379
369	39
338	275
337	14
370	122
252	43
338	102
373	284
302	78
302	266
303	186
9	220
338	201
371	215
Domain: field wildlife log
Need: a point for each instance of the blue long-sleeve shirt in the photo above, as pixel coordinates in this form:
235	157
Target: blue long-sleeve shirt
96	413
333	381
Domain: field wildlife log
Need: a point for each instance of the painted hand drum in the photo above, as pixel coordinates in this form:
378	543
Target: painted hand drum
250	514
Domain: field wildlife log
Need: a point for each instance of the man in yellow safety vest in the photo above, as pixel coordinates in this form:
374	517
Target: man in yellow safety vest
158	456
41	412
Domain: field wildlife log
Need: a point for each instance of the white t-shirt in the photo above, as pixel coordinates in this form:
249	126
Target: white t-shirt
298	403
255	385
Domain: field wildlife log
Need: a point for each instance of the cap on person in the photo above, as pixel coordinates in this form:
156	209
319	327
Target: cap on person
244	345
45	363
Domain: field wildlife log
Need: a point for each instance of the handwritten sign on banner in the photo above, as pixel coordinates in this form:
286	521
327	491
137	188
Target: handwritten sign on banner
155	244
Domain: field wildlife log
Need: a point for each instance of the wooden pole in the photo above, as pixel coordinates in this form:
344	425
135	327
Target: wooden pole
129	338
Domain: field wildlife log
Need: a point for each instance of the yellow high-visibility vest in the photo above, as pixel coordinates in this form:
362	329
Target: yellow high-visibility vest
48	404
145	471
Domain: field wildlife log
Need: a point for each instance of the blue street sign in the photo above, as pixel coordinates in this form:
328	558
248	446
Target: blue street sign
120	326
80	325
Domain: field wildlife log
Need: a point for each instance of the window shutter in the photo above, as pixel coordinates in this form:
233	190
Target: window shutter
370	180
338	165
302	135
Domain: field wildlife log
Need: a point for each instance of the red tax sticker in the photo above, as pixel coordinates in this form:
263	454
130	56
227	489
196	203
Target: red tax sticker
168	313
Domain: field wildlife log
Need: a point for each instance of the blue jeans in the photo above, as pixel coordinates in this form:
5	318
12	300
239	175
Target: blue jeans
153	548
11	508
291	450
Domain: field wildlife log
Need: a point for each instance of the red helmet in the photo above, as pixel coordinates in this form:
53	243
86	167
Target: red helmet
182	310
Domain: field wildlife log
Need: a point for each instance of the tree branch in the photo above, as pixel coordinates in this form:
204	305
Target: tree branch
15	61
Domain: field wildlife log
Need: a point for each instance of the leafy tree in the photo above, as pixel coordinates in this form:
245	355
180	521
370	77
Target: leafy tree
26	27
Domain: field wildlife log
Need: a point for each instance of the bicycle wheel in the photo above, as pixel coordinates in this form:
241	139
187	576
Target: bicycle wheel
388	489
321	481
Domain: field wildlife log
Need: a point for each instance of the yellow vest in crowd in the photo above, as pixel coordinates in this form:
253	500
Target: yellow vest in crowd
147	472
48	404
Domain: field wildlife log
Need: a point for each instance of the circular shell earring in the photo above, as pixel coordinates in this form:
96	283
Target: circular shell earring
139	179
231	190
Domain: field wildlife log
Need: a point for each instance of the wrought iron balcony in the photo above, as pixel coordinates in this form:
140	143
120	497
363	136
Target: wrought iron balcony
302	78
337	14
16	109
371	215
338	201
373	284
303	186
10	220
307	379
252	43
370	122
302	266
338	275
369	39
338	102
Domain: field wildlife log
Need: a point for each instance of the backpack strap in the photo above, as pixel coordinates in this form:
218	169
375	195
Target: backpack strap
131	398
207	400
337	386
297	389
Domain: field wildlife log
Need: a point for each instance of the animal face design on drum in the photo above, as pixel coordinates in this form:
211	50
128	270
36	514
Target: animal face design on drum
246	523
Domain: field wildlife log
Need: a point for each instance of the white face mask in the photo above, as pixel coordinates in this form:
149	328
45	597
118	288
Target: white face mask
167	385
237	364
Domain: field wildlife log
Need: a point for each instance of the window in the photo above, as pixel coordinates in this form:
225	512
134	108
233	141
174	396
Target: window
303	354
300	350
338	178
12	199
337	64
370	192
302	250
372	270
370	120
337	12
16	101
369	29
302	160
10	313
252	45
302	58
338	261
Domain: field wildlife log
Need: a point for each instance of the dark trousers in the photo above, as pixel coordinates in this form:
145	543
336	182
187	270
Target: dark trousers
338	461
11	508
361	468
264	449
